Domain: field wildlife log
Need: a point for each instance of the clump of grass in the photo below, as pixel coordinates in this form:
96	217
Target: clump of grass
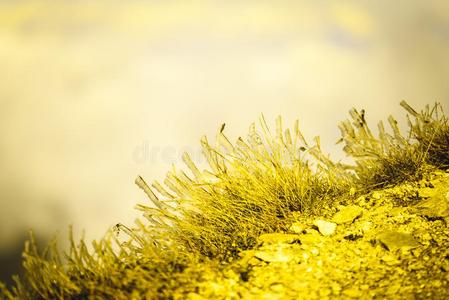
392	158
251	188
195	220
430	128
133	269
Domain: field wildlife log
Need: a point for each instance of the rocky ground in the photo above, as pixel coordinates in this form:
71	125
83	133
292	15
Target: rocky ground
388	244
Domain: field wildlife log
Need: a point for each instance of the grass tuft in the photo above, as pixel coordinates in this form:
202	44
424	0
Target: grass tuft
250	188
430	129
392	158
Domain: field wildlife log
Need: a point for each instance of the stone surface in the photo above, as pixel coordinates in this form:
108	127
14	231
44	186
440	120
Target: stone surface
366	226
277	238
435	207
278	254
347	214
296	227
310	238
394	240
426	192
325	228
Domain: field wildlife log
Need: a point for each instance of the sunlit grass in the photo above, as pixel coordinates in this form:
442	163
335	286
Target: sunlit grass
197	221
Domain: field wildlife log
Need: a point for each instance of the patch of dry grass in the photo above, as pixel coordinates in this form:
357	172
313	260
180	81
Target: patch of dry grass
392	157
199	220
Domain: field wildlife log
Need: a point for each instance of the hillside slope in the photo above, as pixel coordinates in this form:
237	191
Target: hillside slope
387	244
275	218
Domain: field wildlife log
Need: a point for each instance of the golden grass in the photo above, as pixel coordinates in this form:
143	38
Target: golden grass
199	220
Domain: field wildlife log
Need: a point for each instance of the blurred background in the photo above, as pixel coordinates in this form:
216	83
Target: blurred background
94	93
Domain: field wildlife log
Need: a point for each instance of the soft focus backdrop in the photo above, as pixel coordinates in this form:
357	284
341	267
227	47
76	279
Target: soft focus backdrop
93	93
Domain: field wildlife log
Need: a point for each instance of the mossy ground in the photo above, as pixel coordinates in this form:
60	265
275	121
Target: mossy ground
374	229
